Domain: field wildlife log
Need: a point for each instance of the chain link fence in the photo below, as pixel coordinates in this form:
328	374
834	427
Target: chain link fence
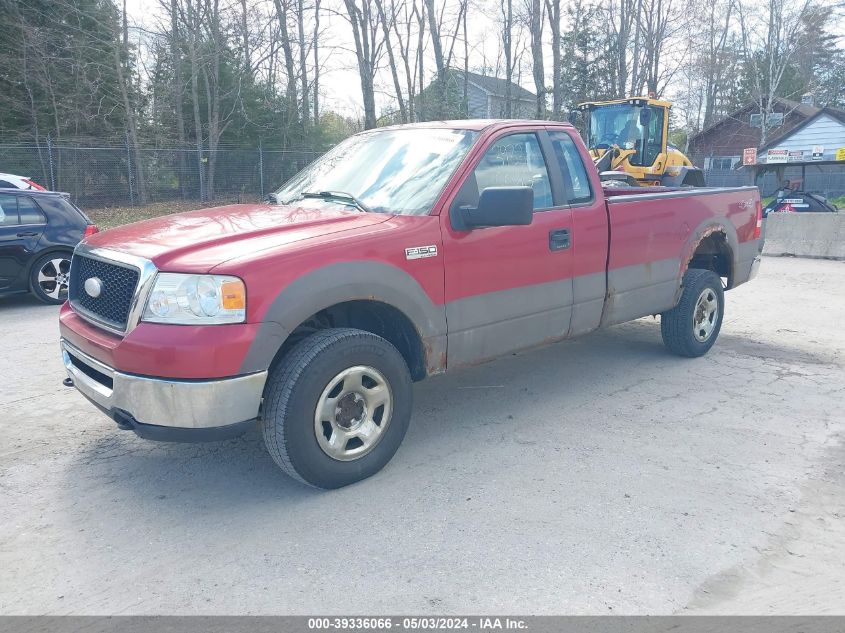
827	180
128	176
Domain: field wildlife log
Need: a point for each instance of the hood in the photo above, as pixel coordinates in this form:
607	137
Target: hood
197	241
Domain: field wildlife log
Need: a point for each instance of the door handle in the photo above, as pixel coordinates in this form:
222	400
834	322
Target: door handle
559	239
28	234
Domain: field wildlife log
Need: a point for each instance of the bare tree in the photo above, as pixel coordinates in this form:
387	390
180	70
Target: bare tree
439	59
536	18
365	31
553	13
121	69
305	110
714	58
178	90
386	25
771	40
506	9
620	17
315	50
283	8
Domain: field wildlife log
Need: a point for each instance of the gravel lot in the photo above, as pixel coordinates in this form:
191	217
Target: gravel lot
598	476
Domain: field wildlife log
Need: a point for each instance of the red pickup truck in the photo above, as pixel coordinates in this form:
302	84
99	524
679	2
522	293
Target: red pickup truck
401	253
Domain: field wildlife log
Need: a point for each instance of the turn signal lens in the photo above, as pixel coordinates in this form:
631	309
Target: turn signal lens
234	295
758	230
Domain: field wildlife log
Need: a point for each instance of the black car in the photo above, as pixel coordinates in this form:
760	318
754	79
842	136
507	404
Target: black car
797	201
38	232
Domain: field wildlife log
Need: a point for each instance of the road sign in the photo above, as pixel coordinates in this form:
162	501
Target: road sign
749	156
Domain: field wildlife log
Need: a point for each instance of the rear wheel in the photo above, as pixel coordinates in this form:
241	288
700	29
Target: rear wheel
337	407
49	275
692	327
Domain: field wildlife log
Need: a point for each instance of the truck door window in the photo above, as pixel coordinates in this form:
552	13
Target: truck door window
572	168
515	161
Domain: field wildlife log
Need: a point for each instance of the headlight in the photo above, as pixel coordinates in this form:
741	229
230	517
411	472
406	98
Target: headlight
182	299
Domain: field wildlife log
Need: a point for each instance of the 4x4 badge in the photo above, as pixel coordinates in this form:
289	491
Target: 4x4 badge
418	252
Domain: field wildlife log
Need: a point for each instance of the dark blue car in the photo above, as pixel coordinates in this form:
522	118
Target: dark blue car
38	232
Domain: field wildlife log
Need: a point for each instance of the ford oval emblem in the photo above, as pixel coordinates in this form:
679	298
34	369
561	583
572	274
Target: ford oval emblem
93	287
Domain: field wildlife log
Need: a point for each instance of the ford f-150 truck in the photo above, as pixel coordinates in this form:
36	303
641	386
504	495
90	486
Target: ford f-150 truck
401	253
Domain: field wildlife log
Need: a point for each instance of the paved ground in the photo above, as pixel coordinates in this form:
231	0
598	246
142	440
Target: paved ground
596	476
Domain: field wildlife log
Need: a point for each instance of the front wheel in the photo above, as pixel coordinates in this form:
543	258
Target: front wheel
336	407
691	327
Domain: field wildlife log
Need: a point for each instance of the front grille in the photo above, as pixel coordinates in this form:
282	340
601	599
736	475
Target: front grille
118	289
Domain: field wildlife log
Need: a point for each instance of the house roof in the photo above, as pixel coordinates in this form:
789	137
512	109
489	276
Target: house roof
495	85
804	110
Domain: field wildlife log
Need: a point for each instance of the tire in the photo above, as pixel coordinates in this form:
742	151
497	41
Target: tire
48	277
362	387
692	327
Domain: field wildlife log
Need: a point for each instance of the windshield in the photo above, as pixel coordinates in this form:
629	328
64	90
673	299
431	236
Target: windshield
622	124
398	171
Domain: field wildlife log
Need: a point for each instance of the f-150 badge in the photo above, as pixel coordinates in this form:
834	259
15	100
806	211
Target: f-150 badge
419	252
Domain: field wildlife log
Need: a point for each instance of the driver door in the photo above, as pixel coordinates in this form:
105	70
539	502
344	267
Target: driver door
509	287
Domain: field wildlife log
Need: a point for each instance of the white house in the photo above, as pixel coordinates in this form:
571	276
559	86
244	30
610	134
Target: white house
825	130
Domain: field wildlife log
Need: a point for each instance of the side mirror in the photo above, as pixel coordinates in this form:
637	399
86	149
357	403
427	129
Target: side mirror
497	206
645	116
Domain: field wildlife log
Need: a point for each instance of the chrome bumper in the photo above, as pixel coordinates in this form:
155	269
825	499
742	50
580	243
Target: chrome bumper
184	404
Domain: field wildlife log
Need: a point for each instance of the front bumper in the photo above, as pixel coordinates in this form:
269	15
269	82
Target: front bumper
167	409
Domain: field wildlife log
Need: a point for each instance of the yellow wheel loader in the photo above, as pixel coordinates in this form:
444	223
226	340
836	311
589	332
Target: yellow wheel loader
628	140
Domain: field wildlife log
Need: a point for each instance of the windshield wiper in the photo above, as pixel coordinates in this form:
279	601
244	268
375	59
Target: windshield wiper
340	196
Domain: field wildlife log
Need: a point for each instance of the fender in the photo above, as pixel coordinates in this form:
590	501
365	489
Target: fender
339	283
699	234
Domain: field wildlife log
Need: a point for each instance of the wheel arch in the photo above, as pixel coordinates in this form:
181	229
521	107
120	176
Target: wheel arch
712	246
371	296
375	317
53	248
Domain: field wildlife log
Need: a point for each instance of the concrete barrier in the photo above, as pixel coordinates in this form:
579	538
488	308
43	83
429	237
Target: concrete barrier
820	235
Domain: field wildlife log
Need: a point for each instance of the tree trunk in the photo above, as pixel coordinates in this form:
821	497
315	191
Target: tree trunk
282	8
537	54
245	38
553	9
439	60
466	63
315	44
303	69
132	128
507	41
177	90
403	111
360	19
420	62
